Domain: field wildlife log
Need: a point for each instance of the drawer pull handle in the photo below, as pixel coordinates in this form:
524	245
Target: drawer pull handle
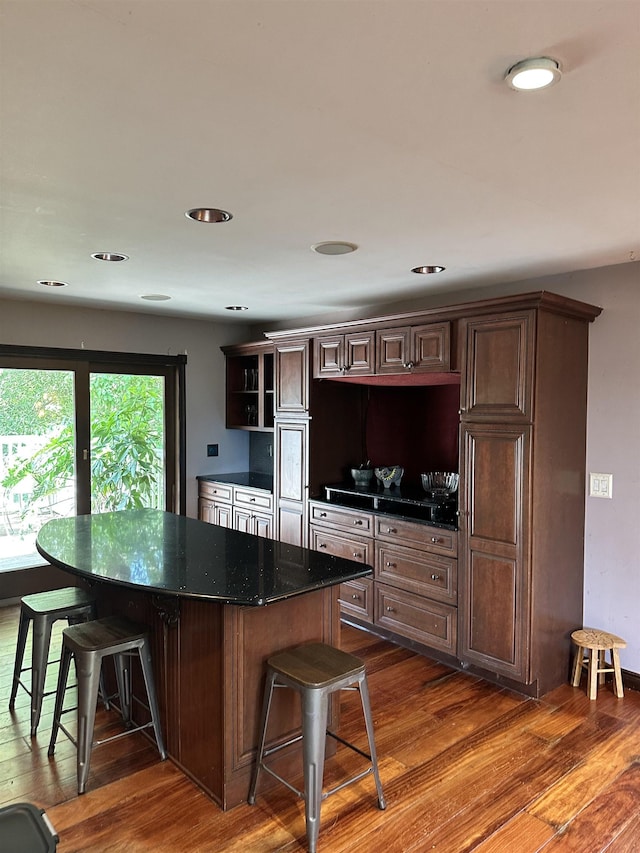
323	515
389	608
322	544
355	596
252	500
392	530
358	521
357	556
435	577
435	540
391	565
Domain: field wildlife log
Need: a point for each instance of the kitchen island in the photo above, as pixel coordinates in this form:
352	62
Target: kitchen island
217	603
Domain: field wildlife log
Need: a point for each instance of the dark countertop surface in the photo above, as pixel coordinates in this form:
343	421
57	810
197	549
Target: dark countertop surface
175	555
242	478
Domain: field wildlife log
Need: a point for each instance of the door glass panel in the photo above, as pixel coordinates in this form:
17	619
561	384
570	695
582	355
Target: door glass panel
127	441
37	457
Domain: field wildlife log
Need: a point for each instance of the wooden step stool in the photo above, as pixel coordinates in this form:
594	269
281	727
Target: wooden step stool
592	646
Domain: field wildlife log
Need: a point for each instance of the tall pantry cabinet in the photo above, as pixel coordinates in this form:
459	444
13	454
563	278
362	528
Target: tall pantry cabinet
522	478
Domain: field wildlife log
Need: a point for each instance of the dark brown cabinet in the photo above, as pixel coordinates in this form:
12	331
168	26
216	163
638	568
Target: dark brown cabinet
497	384
249	387
292	377
495	604
215	502
522	478
414	349
344	355
291	484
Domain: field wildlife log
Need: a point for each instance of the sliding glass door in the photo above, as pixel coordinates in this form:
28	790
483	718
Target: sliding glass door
82	437
37	461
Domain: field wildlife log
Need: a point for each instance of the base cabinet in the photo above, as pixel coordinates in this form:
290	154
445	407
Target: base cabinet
238	507
414	589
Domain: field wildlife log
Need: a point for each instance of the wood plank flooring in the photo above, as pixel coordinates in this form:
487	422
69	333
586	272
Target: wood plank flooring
465	766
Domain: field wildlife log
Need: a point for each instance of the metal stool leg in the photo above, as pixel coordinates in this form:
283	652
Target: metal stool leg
23	630
122	666
41	642
368	720
149	683
266	707
63	676
89	665
314	727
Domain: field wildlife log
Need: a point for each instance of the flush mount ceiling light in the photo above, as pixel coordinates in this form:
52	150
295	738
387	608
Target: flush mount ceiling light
532	74
427	270
236	308
53	283
110	256
208	214
155	297
334	247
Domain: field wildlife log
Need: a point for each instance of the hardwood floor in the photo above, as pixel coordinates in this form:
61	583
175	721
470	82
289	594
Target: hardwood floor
465	766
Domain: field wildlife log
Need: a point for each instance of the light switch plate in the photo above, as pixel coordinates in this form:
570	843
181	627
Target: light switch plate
601	485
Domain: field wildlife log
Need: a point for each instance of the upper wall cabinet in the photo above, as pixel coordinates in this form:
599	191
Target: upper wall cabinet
292	377
497	384
344	355
407	349
414	349
249	388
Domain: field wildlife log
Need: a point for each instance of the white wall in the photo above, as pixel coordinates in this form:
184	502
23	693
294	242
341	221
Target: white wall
38	324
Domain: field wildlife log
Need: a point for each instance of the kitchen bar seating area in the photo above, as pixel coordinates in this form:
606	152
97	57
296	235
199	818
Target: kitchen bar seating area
465	766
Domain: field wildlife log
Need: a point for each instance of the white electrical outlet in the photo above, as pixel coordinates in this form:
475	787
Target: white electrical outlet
601	485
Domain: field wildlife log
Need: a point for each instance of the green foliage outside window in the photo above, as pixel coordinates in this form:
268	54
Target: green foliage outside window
127	436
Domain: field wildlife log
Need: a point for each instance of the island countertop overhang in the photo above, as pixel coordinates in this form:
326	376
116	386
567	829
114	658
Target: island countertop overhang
173	555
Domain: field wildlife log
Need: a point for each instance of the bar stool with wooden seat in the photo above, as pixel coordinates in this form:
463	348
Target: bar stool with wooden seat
42	609
89	644
315	671
592	646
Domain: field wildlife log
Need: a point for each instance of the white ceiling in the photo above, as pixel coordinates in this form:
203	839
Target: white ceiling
381	122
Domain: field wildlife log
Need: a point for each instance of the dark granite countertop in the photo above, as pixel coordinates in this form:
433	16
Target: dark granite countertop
172	554
242	478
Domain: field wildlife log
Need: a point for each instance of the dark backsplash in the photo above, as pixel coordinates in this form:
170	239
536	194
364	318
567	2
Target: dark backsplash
261	452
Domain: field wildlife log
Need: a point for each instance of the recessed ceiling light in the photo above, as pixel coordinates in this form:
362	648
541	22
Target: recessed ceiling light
537	73
427	270
155	297
208	214
110	256
334	247
236	308
53	283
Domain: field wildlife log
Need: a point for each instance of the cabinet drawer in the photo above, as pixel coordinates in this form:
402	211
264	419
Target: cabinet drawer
256	498
417	618
356	599
418	571
216	491
347	519
342	545
434	539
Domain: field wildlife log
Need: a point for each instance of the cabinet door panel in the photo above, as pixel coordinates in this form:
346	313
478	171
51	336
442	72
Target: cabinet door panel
291	458
494	589
392	350
498	384
223	516
359	355
328	356
292	377
431	347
